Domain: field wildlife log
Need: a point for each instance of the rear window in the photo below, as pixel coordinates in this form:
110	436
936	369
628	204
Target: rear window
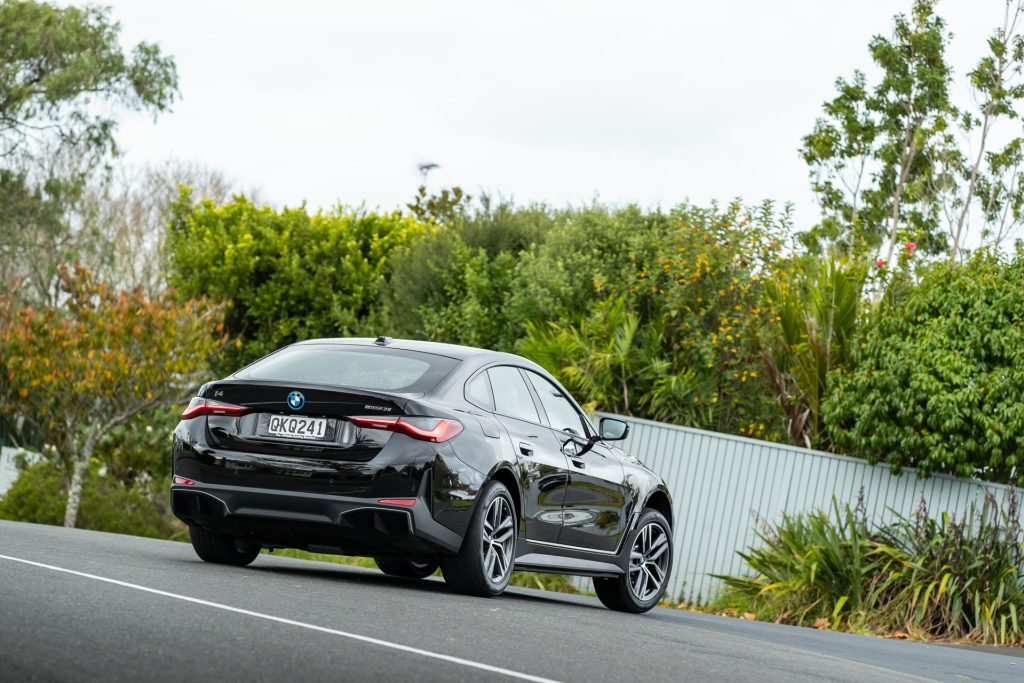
352	366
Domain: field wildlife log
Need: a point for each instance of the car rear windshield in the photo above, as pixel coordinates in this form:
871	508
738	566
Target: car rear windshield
352	366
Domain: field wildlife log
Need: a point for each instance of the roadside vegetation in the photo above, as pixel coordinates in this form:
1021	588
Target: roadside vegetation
890	329
930	576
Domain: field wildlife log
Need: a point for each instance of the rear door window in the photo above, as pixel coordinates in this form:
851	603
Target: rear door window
511	395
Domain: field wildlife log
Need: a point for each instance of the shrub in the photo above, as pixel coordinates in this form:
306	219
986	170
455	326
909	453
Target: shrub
285	275
932	577
39	495
935	382
658	315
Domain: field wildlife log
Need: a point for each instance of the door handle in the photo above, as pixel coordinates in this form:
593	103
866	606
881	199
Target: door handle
525	448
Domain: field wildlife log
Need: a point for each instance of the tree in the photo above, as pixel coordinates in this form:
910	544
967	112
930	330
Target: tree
873	154
63	70
816	316
283	275
77	372
934	382
898	161
991	179
128	217
658	314
444	290
63	78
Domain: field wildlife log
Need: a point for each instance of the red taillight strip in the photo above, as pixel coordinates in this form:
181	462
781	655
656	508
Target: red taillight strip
198	407
183	481
444	430
404	502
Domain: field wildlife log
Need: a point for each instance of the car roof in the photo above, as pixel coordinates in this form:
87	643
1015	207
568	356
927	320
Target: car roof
454	351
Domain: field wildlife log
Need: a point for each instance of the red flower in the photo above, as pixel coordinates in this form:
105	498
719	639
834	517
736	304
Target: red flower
911	246
880	263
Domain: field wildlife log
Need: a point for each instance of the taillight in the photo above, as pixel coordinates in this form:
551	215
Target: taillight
183	481
434	429
198	407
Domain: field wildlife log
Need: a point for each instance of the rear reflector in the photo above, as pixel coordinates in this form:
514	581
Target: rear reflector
433	429
198	407
404	502
183	481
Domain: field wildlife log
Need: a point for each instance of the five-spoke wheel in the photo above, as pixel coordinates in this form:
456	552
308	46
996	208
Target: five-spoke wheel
483	565
650	560
498	541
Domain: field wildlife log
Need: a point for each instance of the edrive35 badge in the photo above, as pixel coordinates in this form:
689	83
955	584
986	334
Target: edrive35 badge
295	400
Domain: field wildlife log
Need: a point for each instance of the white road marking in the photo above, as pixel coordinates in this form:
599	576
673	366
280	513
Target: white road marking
291	622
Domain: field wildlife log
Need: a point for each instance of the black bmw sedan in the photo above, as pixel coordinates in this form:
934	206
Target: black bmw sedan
419	455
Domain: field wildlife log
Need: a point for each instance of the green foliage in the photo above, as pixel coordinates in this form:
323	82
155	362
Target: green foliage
931	577
872	153
442	208
816	307
284	275
64	77
39	495
935	382
136	451
806	568
63	70
590	254
668	326
454	282
953	578
444	290
606	359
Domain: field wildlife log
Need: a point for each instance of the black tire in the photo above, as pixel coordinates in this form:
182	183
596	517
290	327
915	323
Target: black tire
620	594
221	548
407	569
469	571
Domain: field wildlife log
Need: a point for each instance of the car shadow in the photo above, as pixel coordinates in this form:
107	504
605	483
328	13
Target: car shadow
348	573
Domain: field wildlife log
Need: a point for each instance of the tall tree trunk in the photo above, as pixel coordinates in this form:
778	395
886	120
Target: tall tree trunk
75	490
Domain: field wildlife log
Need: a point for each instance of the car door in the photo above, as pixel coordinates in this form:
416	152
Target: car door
542	465
595	511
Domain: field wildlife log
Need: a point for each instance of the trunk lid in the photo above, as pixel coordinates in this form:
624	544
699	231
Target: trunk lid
321	413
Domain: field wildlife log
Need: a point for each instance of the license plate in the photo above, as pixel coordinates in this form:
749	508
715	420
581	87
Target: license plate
297	427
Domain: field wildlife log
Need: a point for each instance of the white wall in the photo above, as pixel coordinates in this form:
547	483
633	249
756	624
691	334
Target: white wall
8	466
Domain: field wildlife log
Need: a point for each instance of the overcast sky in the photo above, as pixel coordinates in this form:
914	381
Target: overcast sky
650	102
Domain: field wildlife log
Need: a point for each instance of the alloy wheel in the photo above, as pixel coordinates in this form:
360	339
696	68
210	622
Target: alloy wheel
498	539
648	561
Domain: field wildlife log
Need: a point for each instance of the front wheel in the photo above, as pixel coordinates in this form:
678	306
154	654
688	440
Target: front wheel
407	569
221	548
650	561
483	565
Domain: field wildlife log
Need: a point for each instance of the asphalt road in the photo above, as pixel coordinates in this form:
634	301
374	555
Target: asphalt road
81	605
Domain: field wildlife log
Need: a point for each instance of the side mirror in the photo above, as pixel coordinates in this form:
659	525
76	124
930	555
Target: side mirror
612	429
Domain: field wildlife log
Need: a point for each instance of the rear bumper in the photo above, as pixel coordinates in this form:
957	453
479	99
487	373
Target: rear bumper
314	521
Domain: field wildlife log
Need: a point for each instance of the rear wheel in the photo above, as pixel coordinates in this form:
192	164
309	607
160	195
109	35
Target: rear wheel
221	548
483	565
650	561
407	569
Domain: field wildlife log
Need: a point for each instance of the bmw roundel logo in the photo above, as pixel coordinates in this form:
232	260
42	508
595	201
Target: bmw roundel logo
296	400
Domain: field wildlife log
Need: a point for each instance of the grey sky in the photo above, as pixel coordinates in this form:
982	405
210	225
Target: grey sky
651	102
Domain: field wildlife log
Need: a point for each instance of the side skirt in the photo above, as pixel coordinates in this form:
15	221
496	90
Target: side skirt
553	559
